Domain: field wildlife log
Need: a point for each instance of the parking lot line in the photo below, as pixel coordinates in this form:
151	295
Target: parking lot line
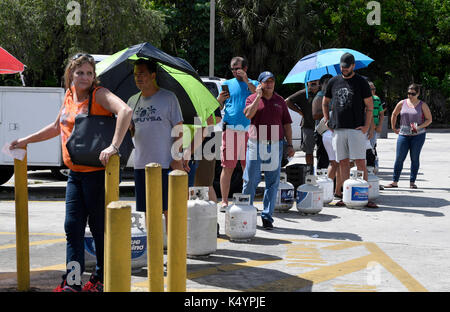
36	243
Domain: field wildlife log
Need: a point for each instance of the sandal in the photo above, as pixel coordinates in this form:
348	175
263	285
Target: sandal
413	186
391	185
371	205
223	207
340	204
338	196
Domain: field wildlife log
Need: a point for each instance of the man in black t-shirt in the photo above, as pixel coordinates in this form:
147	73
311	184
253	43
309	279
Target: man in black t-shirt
352	107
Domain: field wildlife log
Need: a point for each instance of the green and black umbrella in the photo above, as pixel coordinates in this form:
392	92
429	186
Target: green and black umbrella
173	73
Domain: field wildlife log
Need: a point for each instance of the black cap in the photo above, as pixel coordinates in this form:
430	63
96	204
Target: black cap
347	60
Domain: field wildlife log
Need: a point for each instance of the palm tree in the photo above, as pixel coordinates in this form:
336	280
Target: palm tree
265	31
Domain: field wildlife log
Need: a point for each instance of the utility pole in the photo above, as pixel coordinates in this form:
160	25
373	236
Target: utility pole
212	25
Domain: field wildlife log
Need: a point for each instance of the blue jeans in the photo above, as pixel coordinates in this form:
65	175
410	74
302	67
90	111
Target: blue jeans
412	144
259	158
193	164
85	202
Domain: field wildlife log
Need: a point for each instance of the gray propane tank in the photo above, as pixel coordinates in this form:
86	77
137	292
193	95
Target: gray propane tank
309	196
356	190
285	196
201	223
326	184
374	183
240	219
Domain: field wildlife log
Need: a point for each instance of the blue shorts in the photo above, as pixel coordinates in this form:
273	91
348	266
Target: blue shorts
140	189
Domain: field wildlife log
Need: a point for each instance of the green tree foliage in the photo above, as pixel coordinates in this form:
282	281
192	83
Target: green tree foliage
411	44
189	27
37	32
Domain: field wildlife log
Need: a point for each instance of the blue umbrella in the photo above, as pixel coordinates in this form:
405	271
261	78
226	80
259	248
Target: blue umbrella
315	65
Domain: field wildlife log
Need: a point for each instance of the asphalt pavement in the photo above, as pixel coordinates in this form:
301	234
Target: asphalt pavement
402	246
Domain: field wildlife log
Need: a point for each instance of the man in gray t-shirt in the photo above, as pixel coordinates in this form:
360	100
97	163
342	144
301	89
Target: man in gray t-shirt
156	112
153	118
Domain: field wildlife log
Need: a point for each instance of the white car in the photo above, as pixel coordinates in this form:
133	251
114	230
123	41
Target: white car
214	83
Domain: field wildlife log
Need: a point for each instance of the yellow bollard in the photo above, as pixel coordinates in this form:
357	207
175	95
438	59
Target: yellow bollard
22	234
155	244
177	241
111	189
118	248
112	179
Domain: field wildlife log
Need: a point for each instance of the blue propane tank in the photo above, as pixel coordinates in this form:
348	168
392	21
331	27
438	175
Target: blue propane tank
138	244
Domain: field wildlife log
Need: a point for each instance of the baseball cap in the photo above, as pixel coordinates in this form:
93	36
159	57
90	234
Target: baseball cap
264	76
347	60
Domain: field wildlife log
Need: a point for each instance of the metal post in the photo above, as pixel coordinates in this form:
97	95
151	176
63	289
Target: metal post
177	241
118	247
212	27
155	244
22	232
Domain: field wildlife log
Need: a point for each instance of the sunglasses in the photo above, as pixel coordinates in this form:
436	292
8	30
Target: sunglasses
78	55
412	93
235	68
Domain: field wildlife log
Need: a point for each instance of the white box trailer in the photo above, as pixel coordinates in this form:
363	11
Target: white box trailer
24	110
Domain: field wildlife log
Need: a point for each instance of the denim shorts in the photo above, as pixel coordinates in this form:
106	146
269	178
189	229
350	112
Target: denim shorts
140	189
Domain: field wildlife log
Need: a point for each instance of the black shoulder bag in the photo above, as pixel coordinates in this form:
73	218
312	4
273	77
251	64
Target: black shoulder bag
91	135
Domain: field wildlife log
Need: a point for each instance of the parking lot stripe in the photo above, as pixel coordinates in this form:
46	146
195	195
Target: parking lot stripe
37	234
42	242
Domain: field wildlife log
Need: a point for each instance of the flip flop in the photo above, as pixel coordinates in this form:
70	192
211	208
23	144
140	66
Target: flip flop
371	205
338	196
223	207
340	204
390	185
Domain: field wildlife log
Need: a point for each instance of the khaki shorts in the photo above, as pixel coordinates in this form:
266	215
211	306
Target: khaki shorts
349	143
308	141
204	176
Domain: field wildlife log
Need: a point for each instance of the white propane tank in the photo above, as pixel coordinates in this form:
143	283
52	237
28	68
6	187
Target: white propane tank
356	190
285	196
201	223
326	184
138	244
240	219
374	183
309	196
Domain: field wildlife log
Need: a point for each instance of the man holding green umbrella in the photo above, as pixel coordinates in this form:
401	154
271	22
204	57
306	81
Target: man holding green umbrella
156	112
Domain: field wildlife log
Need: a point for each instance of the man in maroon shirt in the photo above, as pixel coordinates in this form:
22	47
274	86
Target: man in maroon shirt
270	124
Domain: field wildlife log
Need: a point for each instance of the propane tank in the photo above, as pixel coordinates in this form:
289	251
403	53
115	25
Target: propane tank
240	219
374	183
326	184
285	196
138	244
309	196
201	223
356	190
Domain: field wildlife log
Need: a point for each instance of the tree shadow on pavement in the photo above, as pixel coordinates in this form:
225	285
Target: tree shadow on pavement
232	269
411	204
